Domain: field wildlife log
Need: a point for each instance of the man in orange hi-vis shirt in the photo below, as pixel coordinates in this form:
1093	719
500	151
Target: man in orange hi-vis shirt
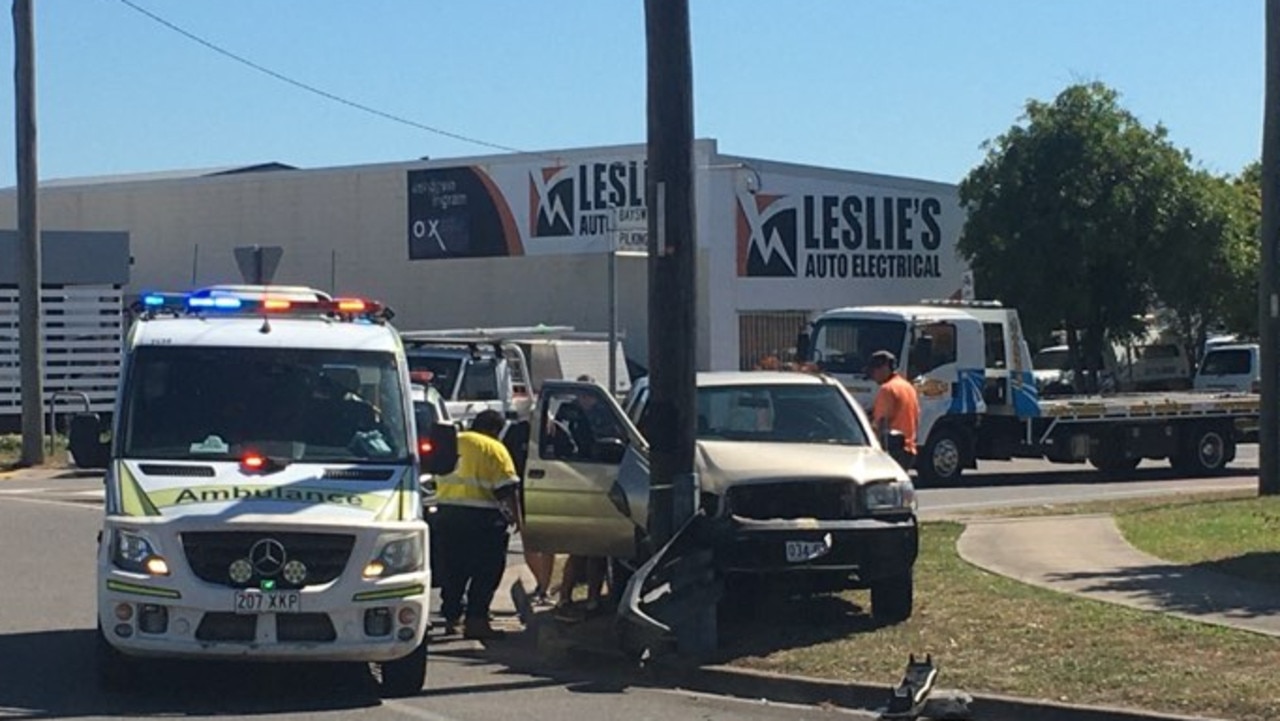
896	409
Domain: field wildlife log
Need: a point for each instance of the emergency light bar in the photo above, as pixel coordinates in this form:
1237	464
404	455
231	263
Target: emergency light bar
244	302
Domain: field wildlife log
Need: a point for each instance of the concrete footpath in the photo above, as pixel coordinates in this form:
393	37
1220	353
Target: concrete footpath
1088	556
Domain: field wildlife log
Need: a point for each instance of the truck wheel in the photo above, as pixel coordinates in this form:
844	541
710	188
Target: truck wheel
892	599
943	459
116	672
405	676
1110	458
1207	451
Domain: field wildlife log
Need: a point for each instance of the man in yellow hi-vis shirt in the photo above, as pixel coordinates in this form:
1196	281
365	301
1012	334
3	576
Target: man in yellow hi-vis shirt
476	504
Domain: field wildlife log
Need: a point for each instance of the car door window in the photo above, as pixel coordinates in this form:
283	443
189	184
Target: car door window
579	424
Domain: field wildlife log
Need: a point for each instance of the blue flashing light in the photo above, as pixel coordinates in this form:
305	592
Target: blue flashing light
221	302
151	301
226	302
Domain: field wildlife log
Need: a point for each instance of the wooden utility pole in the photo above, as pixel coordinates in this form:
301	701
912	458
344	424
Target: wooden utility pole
673	332
1269	428
30	354
672	258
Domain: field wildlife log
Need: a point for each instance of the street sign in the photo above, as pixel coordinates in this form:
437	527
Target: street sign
258	263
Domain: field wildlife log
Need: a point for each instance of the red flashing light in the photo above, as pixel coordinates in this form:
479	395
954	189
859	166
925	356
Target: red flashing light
253	462
421	376
425	447
352	305
276	304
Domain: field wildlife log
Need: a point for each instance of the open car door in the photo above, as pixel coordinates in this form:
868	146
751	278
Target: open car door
586	487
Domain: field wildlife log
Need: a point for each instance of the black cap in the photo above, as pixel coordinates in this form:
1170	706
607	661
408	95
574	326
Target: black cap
882	359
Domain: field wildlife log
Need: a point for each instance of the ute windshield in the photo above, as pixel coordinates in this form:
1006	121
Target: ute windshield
323	406
844	345
783	413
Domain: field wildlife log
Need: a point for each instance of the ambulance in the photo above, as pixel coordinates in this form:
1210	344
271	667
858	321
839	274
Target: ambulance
262	487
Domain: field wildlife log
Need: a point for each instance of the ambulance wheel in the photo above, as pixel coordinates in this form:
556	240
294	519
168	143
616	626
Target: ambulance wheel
405	676
115	671
942	461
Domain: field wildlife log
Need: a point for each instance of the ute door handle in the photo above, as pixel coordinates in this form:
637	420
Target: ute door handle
537	473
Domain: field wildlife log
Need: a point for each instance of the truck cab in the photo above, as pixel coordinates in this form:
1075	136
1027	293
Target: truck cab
966	360
262	487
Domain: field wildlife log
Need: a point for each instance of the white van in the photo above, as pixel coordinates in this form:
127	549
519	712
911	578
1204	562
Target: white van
262	487
1230	367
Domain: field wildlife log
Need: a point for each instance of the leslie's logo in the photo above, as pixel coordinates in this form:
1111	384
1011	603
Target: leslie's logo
551	197
838	236
585	200
767	246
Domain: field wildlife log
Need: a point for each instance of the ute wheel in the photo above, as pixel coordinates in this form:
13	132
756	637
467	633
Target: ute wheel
942	461
405	676
892	599
115	671
1206	450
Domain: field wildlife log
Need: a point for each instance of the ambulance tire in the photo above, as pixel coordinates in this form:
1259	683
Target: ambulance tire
942	460
116	672
405	676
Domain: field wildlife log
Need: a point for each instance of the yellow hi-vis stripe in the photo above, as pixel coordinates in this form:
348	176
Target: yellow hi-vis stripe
133	501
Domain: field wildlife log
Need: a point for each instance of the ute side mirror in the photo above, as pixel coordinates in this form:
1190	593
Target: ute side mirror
439	450
86	443
609	450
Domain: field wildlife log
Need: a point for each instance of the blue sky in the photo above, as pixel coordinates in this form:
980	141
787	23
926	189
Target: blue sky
905	87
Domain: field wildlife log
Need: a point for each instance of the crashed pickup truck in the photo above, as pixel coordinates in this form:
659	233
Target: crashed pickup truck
791	477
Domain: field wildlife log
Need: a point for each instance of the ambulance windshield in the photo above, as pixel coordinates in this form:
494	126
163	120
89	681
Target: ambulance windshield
322	406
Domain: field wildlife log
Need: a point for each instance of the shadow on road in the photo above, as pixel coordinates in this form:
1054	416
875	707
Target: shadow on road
782	623
51	674
1202	588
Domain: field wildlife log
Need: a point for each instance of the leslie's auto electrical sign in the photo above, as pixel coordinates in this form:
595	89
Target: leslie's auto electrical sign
840	232
793	226
522	209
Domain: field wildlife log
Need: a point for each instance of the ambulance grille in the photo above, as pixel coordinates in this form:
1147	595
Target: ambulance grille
211	553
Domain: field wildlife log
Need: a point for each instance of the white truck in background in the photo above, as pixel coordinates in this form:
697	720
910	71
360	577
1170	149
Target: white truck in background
971	367
503	369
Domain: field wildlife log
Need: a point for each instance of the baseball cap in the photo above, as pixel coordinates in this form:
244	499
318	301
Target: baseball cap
882	359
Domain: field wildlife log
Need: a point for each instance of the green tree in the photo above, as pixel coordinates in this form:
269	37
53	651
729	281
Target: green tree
1204	264
1062	210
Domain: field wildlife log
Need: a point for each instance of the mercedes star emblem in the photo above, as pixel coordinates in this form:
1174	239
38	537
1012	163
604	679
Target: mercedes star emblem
267	557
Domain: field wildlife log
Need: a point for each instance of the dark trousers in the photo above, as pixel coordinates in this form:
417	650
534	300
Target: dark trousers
473	555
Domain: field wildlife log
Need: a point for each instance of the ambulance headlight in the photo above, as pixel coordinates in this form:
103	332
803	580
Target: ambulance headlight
132	551
397	554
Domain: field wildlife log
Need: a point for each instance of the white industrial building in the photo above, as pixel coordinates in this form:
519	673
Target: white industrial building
523	239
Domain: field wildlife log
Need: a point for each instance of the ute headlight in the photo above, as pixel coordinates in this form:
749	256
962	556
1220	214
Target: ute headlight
889	496
131	551
398	554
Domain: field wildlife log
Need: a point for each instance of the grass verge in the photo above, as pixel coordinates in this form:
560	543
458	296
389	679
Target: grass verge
992	634
1240	537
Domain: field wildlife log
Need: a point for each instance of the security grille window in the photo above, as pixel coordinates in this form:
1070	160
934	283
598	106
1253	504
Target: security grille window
769	338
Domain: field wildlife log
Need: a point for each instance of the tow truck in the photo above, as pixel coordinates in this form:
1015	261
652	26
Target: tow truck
262	487
971	367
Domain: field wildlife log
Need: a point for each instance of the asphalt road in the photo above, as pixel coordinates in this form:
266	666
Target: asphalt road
47	533
1034	483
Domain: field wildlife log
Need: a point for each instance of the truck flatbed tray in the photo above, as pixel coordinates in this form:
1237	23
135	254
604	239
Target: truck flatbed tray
1148	405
